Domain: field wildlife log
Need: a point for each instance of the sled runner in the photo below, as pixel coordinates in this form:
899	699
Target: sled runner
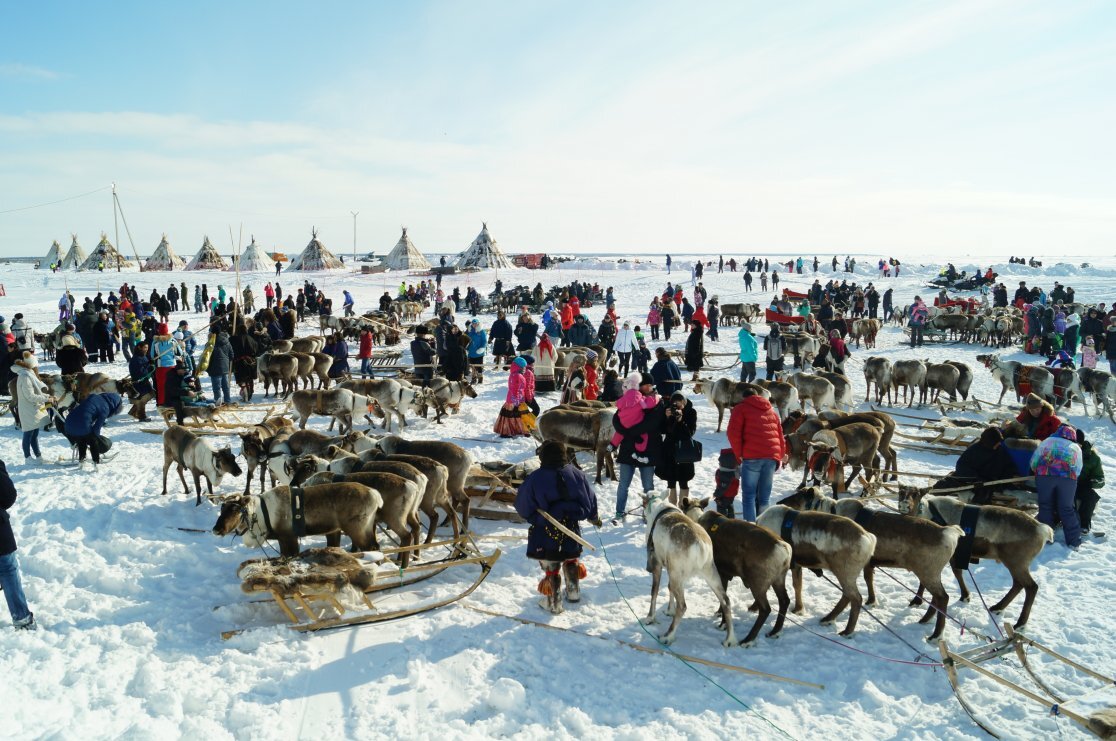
929	334
325	588
1095	710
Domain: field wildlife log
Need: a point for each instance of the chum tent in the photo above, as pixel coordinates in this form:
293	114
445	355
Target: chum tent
164	258
482	253
104	254
208	258
53	255
405	256
75	256
253	259
316	257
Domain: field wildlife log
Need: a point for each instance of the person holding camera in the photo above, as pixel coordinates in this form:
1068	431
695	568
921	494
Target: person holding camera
677	454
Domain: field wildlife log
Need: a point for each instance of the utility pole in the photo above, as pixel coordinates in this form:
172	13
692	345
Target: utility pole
354	213
116	227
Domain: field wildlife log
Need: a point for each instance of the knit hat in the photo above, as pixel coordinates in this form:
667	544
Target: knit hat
632	380
164	328
520	362
529	359
590	355
647	379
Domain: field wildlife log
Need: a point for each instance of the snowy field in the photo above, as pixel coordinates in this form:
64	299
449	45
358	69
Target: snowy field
131	607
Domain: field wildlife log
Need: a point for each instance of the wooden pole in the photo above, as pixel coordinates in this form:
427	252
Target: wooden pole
566	530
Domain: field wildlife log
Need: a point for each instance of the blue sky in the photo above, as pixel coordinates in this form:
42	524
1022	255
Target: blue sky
982	126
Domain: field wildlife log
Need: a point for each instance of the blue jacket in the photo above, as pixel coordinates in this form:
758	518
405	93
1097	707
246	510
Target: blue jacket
749	348
540	491
664	371
478	343
88	417
141	371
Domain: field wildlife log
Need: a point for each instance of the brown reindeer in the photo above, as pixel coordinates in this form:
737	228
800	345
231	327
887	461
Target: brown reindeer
1007	535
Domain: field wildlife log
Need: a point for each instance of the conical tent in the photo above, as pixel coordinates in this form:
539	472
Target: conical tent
74	257
253	259
105	254
164	258
483	253
208	258
405	256
316	257
53	255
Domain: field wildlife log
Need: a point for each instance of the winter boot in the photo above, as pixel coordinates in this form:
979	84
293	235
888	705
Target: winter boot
550	586
575	572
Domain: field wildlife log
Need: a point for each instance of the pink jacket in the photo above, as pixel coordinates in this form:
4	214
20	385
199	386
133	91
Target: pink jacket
517	385
528	384
631	406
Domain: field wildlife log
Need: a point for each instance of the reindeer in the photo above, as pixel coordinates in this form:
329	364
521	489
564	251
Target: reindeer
877	370
908	375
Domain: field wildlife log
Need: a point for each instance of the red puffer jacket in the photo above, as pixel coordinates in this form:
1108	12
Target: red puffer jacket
754	430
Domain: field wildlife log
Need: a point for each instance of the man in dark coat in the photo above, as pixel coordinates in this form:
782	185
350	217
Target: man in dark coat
665	374
563	491
500	335
141	371
581	333
87	419
22	617
70	359
985	460
423	356
220	366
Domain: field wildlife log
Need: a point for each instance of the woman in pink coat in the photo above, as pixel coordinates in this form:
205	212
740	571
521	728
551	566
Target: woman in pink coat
510	421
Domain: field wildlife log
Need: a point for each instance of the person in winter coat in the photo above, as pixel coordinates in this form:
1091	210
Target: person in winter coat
1057	463
245	350
1091	478
1038	418
611	387
199	300
567	316
774	349
985	460
581	334
142	373
573	389
338	349
1110	345
606	332
631	408
70	358
679	427
756	436
455	361
920	315
838	350
695	350
478	343
500	335
33	396
87	419
10	581
668	314
526	334
509	423
654	318
631	459
423	356
220	365
665	374
624	345
749	353
364	352
642	356
563	491
164	351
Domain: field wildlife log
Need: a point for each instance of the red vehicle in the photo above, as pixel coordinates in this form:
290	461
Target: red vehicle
774	317
794	295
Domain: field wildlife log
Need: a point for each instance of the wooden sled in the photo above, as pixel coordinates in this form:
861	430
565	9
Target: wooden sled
930	334
310	599
1099	720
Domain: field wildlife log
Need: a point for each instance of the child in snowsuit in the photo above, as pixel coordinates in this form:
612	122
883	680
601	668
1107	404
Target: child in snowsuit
630	408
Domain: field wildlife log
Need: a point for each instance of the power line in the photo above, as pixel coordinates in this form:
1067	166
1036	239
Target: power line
51	203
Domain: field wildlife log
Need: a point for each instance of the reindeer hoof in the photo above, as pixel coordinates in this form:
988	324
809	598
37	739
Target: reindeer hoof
933	637
915	602
666	639
775	635
651	620
747	643
827	621
846	633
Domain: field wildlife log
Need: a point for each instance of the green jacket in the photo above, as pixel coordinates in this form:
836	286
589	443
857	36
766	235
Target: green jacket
1092	474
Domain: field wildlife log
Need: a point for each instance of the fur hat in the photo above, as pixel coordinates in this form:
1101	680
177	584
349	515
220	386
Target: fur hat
632	380
164	328
27	360
552	454
1032	401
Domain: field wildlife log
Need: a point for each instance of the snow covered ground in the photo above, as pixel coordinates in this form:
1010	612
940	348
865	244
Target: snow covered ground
131	607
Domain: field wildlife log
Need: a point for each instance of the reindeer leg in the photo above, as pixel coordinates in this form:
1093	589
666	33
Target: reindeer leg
182	476
869	581
780	587
796	580
656	575
678	597
713	579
